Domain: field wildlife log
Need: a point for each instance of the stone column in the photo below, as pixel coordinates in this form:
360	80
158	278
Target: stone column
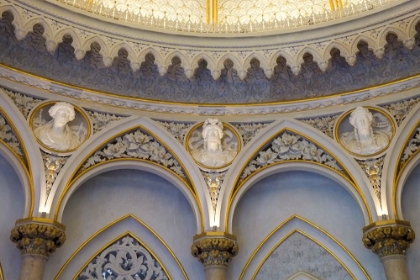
36	238
215	250
389	240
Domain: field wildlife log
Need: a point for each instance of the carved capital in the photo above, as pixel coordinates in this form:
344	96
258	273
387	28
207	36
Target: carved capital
214	248
38	236
388	237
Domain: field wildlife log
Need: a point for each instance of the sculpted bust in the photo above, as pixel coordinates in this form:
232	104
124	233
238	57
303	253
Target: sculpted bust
364	139
213	154
56	134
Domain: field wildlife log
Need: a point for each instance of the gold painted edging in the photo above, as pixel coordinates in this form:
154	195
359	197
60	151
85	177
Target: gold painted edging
237	187
77	109
386	223
107	227
216	234
26	167
76	176
40	221
399	169
1	273
198	104
383	112
278	244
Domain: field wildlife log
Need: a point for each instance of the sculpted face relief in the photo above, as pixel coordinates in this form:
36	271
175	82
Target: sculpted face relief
370	135
213	154
56	134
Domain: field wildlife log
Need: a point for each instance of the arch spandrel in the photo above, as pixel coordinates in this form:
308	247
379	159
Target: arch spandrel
353	178
71	176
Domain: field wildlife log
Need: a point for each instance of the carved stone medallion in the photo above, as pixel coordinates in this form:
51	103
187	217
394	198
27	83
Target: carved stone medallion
213	144
59	127
365	131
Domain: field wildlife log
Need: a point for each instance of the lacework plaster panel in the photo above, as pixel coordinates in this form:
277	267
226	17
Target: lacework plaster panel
288	147
249	130
137	144
8	137
25	103
411	148
125	259
324	124
297	254
400	110
102	120
172	74
178	130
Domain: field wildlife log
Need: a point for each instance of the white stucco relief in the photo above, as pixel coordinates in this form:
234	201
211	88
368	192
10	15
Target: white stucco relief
25	17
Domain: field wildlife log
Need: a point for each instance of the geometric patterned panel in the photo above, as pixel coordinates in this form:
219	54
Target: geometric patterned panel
125	259
297	254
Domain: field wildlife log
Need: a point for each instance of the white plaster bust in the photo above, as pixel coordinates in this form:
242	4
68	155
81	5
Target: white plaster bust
364	139
56	134
213	154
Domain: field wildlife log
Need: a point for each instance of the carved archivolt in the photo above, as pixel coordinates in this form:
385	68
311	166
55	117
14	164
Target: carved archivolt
55	27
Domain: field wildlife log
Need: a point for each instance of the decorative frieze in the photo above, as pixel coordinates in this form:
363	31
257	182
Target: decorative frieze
290	147
8	137
25	103
249	130
392	239
214	248
38	238
102	120
137	144
324	124
177	129
400	110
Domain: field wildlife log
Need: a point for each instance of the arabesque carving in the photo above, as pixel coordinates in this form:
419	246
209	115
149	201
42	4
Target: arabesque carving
137	144
373	170
178	130
401	109
389	240
24	102
214	250
249	130
52	166
125	259
411	148
102	120
214	181
40	239
324	124
288	146
8	136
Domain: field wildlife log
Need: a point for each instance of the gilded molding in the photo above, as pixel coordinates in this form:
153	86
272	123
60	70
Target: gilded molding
214	250
392	239
38	238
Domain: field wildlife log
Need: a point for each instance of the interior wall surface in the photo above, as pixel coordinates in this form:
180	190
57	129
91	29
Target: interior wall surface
12	205
273	200
410	204
109	196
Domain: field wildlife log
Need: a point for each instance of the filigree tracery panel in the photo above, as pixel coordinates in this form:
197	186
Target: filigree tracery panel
126	259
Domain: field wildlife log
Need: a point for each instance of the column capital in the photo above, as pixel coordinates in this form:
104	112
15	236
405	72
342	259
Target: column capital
386	238
214	248
38	236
